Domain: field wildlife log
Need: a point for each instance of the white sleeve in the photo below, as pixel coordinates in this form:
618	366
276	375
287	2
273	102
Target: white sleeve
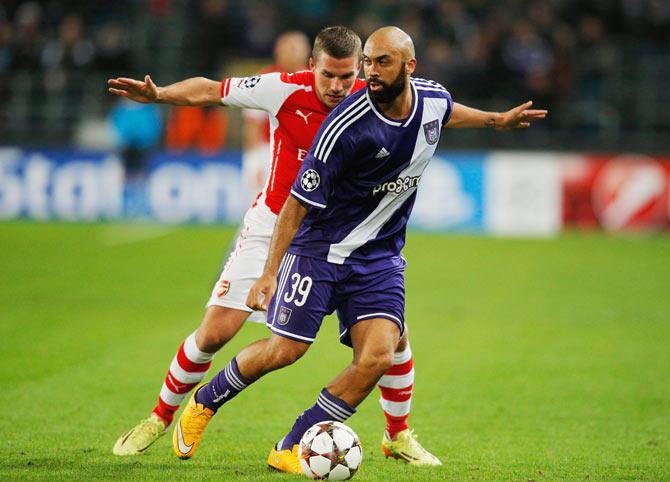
265	92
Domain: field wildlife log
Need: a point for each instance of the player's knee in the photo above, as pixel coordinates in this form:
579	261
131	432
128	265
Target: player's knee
375	363
217	328
284	352
210	342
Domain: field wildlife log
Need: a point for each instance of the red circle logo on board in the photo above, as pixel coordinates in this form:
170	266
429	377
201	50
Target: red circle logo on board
629	194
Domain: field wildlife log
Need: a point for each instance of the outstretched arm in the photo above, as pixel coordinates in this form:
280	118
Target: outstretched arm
289	220
194	91
520	117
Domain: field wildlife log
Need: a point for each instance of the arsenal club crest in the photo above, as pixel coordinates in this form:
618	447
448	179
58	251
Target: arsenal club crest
432	131
222	288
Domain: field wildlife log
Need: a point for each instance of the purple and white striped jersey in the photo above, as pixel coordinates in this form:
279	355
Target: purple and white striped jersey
361	174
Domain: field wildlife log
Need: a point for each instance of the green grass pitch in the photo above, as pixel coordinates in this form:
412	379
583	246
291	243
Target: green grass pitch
535	359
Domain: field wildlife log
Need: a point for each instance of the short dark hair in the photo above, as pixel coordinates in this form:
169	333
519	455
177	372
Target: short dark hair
339	42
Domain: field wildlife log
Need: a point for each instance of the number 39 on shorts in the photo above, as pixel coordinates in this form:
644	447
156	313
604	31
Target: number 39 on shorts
300	285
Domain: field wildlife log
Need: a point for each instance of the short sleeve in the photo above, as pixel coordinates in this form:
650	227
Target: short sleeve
435	90
450	108
266	92
332	149
315	182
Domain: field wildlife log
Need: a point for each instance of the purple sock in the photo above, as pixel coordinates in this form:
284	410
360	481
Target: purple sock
327	407
223	387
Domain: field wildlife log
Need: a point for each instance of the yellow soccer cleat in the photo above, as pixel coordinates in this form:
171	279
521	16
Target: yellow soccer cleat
285	460
189	428
136	440
407	448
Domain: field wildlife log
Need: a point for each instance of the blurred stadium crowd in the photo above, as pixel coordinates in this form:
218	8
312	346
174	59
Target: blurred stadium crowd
599	66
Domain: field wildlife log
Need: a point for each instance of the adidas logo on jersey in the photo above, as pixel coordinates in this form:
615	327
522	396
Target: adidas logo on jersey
382	153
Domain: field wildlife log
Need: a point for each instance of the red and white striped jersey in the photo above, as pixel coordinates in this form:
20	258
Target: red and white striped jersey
296	113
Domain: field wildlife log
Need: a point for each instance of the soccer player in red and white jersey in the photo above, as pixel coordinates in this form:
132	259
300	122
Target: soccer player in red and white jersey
291	54
297	105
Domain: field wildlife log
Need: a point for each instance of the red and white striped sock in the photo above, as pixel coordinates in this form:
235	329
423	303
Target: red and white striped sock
396	386
187	369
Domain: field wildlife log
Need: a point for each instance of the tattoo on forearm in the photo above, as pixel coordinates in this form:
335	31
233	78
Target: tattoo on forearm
491	122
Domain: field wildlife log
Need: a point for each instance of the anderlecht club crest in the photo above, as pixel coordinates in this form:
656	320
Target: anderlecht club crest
432	131
284	315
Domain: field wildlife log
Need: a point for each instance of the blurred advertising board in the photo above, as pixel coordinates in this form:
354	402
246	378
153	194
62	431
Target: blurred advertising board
500	193
451	194
90	186
523	194
73	186
619	193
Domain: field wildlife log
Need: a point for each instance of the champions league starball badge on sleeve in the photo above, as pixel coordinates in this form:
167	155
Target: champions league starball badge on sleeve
310	180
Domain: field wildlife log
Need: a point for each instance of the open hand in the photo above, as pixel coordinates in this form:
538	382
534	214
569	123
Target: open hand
145	92
520	117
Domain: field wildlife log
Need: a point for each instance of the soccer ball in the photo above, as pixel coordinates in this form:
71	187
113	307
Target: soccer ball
331	451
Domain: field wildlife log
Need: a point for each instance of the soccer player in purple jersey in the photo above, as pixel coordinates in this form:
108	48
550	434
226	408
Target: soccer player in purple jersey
338	240
297	105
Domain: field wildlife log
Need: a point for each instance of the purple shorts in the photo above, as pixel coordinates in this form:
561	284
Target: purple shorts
308	289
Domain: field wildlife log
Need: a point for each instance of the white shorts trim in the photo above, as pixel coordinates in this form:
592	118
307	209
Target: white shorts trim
379	315
254	316
289	334
228	304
